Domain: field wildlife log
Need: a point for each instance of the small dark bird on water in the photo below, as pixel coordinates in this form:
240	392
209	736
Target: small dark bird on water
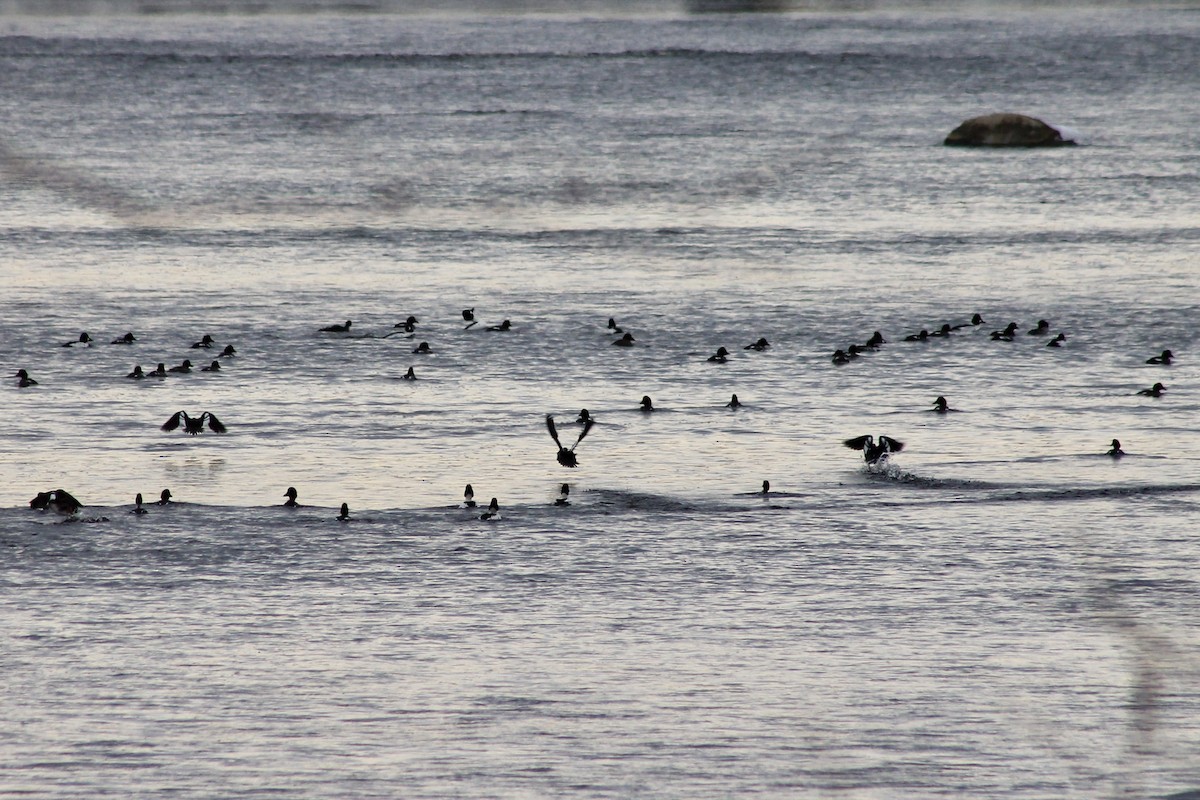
422	349
1043	327
564	493
468	315
337	328
1166	357
839	357
625	341
205	342
584	417
719	357
159	372
613	327
917	337
128	338
468	497
873	451
1057	341
410	375
194	425
164	498
183	368
876	340
137	505
734	402
493	512
766	487
84	338
408	326
344	516
503	326
647	403
1005	335
23	379
760	345
945	330
975	321
1154	391
137	373
941	406
1115	451
566	456
228	351
215	366
291	495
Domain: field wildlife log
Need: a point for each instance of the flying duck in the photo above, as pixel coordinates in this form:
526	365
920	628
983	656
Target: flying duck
193	425
566	457
874	452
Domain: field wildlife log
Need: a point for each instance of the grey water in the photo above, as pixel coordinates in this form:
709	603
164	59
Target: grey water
999	610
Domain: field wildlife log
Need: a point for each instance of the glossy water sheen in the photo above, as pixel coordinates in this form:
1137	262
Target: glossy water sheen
1002	612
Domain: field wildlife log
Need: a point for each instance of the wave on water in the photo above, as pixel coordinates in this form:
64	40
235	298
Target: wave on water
990	492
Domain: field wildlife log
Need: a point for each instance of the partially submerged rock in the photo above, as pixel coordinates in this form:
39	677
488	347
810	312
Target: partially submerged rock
1006	130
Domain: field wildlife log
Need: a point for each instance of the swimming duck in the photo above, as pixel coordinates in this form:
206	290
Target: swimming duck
137	505
564	493
625	341
917	337
1115	451
137	373
83	339
940	405
1166	357
193	425
647	405
945	330
228	352
760	345
874	452
23	379
493	512
766	489
719	357
158	372
344	515
213	367
468	497
584	417
1007	334
855	350
185	367
612	326
1043	327
976	320
410	375
164	498
1154	391
839	357
1057	341
205	342
409	325
422	348
290	494
566	457
876	340
128	338
468	316
734	402
503	326
337	328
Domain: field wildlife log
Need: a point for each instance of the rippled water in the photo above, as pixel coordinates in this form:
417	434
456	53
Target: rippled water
1003	611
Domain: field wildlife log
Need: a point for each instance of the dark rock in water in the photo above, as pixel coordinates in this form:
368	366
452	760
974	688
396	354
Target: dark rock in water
1005	130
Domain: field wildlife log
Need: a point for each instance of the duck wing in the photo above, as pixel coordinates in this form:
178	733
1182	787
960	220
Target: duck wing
587	426
553	430
173	422
858	442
